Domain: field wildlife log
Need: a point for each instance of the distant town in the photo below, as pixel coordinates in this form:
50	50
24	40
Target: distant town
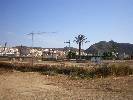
24	51
97	52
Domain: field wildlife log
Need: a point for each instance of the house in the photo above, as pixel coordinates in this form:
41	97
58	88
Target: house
124	56
49	54
53	54
9	51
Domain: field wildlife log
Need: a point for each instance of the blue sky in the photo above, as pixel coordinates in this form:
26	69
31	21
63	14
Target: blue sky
97	19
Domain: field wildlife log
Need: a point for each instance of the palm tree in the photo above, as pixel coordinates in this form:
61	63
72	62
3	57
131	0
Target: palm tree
80	39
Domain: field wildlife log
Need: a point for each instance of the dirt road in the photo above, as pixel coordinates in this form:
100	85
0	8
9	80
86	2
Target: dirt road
34	86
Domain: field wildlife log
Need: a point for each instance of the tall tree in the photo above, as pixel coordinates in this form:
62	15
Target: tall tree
80	39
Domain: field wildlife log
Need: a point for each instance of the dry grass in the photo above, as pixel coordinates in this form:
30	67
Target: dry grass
102	70
67	82
34	86
121	69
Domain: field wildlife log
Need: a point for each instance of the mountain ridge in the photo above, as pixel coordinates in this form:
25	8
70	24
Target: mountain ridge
109	46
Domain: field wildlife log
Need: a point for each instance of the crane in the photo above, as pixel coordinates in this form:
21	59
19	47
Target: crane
32	35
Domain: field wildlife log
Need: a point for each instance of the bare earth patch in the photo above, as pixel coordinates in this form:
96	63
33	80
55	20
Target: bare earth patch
16	85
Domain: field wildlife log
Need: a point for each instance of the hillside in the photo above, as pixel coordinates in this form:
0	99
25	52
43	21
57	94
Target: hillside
104	46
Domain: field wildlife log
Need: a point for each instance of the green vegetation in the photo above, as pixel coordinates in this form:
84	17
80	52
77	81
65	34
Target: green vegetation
71	55
107	55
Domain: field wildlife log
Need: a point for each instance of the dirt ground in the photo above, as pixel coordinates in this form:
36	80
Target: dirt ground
16	85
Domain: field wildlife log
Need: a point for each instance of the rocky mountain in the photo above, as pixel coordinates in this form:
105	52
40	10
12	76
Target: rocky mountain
104	46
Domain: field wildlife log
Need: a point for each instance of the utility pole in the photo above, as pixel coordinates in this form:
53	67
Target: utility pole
32	35
4	51
68	43
21	50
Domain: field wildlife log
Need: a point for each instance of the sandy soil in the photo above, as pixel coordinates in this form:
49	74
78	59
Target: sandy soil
16	85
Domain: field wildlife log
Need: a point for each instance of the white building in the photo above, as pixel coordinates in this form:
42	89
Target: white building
9	51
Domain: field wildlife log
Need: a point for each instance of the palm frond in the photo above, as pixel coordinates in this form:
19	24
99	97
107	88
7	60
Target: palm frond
80	39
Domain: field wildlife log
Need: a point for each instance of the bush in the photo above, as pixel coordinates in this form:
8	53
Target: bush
102	71
50	73
71	55
121	70
73	71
